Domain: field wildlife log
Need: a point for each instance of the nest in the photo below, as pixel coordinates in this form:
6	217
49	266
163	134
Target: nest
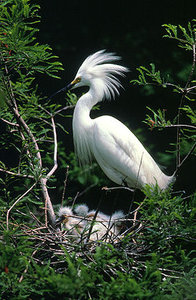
53	244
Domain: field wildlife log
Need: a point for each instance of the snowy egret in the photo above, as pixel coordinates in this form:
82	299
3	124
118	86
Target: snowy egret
116	149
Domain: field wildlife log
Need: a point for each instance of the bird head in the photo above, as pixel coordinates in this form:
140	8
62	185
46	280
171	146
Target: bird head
64	214
97	68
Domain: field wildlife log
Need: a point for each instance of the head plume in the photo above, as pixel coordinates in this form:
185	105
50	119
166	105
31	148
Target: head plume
98	65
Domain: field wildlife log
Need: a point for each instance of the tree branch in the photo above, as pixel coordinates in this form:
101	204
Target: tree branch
178	158
9	123
16	174
55	150
185	158
64	108
11	102
20	198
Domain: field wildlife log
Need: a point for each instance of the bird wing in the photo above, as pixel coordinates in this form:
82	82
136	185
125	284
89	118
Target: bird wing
121	155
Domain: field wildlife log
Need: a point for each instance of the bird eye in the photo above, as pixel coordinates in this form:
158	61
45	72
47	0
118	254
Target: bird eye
65	219
78	79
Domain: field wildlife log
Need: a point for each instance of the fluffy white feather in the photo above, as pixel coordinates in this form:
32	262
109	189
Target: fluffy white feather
65	211
104	227
81	210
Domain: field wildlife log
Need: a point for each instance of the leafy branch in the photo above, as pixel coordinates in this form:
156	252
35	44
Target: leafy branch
28	123
150	76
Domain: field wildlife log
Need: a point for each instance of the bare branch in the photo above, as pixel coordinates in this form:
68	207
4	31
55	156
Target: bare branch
185	158
9	123
65	185
105	188
48	204
55	151
26	269
16	174
179	126
20	198
64	108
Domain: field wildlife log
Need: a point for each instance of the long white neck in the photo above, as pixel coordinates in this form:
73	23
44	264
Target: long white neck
82	122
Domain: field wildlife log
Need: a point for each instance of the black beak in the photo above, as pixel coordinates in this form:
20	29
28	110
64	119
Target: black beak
59	221
65	89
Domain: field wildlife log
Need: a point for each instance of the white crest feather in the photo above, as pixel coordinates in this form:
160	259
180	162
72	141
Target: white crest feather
98	65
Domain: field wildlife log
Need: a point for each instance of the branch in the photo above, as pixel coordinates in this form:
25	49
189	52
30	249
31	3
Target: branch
16	174
176	126
105	188
64	108
55	151
26	269
178	158
11	102
192	68
22	196
185	158
9	123
44	180
65	185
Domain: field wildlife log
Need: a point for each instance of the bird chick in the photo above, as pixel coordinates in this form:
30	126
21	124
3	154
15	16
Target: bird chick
81	221
70	222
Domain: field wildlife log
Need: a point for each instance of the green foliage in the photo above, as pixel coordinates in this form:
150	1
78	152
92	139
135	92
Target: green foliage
147	77
156	262
18	47
185	36
29	120
145	73
86	176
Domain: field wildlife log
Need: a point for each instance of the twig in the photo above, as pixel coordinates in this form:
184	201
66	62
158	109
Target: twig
135	213
55	150
22	196
25	271
192	68
190	89
185	158
105	188
64	108
184	92
65	185
93	220
74	200
48	204
86	190
180	126
9	123
16	174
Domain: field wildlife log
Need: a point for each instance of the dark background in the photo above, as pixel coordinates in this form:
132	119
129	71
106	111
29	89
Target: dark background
132	29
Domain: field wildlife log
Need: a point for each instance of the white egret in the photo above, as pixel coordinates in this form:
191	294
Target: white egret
116	149
77	224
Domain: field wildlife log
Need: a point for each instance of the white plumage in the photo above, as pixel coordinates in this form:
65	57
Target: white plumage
115	148
77	224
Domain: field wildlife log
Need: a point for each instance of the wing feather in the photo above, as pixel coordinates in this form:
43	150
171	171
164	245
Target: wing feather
121	155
